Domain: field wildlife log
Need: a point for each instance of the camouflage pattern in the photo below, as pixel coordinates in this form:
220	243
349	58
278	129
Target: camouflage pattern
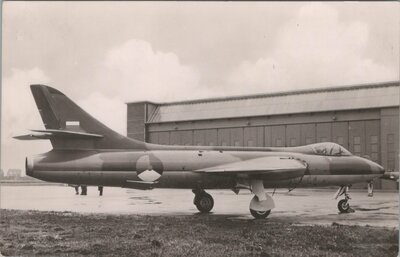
89	153
178	168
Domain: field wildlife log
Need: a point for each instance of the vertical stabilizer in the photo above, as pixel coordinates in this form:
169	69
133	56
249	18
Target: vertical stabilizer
58	112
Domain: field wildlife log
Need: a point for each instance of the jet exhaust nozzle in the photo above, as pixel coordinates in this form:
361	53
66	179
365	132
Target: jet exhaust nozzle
29	166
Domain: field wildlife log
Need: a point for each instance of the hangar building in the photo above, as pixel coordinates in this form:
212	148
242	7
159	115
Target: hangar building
362	118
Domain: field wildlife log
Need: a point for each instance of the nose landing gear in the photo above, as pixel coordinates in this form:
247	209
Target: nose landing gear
343	205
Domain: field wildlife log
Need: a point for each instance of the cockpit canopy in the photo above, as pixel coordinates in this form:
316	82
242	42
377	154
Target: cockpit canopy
330	149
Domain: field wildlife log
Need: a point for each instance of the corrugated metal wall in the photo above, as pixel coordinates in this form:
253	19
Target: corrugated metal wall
389	142
373	132
360	137
135	121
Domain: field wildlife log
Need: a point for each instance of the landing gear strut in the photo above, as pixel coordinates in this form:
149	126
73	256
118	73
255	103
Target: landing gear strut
343	205
257	208
203	201
261	204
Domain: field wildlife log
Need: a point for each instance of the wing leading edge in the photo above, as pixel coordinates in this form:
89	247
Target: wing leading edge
271	167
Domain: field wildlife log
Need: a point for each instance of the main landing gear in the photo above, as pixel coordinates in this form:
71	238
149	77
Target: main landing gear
258	214
343	205
261	204
203	201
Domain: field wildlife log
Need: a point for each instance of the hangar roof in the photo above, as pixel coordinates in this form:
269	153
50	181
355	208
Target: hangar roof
365	96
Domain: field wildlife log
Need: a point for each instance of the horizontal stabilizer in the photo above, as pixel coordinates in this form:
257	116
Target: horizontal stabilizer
52	133
141	185
57	132
32	137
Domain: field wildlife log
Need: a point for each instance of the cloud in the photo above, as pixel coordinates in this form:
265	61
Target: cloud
131	71
19	113
17	100
314	49
110	111
135	71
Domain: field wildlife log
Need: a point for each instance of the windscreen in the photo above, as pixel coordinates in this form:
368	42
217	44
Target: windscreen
330	149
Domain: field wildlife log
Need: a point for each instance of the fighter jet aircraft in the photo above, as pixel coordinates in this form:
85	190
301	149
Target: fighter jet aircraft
86	152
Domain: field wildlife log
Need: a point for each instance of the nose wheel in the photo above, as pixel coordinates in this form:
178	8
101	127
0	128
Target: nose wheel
203	201
343	205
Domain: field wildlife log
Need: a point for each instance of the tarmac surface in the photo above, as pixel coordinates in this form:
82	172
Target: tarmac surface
301	206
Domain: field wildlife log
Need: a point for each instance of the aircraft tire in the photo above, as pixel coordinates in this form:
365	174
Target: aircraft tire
204	202
343	206
196	199
260	214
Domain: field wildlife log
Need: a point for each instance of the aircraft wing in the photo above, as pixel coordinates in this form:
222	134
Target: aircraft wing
271	167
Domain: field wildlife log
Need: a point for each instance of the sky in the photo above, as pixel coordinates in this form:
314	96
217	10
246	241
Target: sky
104	54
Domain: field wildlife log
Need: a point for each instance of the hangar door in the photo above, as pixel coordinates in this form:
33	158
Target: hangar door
364	138
340	133
372	134
324	132
205	137
181	137
230	137
159	137
293	135
253	136
275	135
357	137
307	134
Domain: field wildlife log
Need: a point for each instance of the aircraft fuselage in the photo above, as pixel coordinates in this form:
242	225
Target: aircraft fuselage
179	168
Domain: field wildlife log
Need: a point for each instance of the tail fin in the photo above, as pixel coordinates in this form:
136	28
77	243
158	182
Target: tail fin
70	127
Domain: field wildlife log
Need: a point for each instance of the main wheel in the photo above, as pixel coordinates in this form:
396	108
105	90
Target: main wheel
343	206
204	202
196	198
260	214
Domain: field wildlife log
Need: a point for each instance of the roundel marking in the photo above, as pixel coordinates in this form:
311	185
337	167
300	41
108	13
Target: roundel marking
149	168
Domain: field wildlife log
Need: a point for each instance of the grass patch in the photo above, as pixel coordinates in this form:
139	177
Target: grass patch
30	233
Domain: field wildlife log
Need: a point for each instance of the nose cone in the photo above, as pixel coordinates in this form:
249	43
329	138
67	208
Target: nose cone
379	169
375	167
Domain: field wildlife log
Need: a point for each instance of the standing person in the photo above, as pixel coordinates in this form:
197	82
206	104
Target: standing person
84	190
76	188
100	190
